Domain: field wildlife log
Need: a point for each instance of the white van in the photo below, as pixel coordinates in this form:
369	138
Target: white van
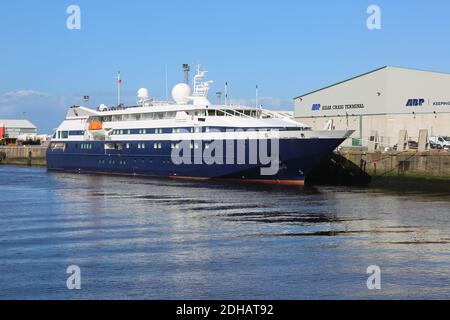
443	142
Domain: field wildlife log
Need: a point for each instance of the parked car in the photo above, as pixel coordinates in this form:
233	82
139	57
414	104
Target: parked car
434	145
440	141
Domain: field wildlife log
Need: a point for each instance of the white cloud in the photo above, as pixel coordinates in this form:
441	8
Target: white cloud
41	108
25	94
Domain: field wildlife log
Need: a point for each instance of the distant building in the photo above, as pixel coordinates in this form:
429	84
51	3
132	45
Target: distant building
12	129
381	103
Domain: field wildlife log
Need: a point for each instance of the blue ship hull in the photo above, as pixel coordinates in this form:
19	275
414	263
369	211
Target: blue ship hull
297	158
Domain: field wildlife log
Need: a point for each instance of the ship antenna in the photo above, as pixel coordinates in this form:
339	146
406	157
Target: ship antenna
119	88
257	96
226	93
187	69
167	87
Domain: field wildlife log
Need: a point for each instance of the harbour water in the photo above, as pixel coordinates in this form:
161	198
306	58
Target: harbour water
137	238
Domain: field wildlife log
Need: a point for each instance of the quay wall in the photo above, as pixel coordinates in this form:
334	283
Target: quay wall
23	155
430	164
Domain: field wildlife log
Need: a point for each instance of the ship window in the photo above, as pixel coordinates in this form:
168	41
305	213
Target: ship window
58	146
207	146
64	134
196	146
207	129
197	130
76	133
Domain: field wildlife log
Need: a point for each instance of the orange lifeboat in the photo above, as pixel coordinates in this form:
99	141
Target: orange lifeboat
95	125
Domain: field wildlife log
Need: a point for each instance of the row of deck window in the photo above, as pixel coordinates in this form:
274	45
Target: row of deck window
112	162
86	146
65	134
156	146
159	131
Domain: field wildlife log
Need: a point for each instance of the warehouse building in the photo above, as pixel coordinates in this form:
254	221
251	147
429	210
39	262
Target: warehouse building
12	129
381	105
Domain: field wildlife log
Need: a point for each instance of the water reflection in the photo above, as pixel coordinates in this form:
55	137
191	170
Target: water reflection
144	238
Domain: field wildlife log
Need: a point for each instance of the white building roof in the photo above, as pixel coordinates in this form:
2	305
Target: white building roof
388	90
17	124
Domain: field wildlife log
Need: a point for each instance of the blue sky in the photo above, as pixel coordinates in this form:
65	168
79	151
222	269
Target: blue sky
287	47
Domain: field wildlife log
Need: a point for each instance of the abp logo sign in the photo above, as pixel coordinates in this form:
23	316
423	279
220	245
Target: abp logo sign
415	102
316	107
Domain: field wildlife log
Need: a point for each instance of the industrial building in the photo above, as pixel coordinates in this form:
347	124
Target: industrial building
12	129
381	105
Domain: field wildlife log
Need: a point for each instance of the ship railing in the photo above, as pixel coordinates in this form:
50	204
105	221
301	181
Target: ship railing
224	111
274	114
240	113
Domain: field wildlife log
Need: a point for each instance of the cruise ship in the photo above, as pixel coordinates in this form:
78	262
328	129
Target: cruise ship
190	138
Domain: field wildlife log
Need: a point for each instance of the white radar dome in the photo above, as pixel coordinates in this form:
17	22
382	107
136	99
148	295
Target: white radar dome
143	94
181	93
